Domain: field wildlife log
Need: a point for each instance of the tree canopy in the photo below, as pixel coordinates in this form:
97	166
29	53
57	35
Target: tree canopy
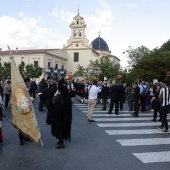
150	64
25	70
136	55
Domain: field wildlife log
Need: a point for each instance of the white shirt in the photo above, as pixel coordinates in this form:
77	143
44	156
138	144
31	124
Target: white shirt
93	92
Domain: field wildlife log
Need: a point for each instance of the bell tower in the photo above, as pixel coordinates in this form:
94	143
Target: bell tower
78	31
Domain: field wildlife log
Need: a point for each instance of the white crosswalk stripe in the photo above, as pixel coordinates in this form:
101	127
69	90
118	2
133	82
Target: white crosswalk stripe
133	132
153	157
139	142
127	123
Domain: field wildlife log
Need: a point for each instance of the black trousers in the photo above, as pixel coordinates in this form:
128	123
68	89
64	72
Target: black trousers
143	104
164	111
32	93
41	104
6	100
136	106
22	137
157	108
130	104
116	102
49	115
104	100
121	103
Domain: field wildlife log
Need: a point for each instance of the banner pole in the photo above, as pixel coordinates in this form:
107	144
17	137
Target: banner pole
41	143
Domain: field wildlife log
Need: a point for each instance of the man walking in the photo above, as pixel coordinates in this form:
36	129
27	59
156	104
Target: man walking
115	92
92	99
104	94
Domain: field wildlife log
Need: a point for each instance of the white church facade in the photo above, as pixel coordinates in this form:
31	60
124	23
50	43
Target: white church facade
76	52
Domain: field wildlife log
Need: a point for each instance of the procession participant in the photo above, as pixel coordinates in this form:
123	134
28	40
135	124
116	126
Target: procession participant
155	101
115	92
136	97
83	91
48	94
62	115
104	94
164	95
70	87
42	86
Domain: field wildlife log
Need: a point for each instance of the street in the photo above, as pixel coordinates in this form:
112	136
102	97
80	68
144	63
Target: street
113	142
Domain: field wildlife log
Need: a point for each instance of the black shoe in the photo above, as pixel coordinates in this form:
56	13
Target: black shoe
116	113
160	120
60	145
166	131
21	142
153	120
3	115
91	120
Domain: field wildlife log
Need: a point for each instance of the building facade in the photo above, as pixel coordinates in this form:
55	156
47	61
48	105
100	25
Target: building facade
57	62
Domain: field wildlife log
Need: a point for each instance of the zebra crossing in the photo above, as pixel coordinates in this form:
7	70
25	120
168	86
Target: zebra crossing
138	131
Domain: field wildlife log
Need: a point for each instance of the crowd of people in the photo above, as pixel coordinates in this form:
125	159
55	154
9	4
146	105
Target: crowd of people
57	97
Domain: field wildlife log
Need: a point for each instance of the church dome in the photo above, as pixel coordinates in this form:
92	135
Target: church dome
99	44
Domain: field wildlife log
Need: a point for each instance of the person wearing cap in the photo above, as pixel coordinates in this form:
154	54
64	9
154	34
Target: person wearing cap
92	99
165	104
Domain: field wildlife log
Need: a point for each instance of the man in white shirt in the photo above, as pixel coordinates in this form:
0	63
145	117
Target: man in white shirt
92	99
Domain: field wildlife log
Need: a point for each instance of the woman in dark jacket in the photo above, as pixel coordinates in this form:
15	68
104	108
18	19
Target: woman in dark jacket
62	115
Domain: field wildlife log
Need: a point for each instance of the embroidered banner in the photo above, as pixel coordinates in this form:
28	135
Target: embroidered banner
23	115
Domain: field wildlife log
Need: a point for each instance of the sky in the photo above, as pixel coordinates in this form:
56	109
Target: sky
40	24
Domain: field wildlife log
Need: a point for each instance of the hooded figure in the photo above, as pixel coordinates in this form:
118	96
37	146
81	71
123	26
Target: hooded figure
62	115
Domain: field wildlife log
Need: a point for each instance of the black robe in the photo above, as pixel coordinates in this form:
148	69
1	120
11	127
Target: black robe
62	116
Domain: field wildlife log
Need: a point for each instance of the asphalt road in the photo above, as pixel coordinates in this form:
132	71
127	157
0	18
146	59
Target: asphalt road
112	142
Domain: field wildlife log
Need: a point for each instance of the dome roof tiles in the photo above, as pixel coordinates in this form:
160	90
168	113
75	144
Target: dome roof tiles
99	44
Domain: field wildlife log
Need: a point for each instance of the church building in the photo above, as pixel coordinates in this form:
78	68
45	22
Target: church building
57	62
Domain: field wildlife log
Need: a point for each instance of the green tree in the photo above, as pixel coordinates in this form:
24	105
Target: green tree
1	71
29	70
80	70
153	68
105	68
136	55
7	70
21	68
165	46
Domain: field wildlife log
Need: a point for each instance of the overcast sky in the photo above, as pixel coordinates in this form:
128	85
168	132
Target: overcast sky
32	24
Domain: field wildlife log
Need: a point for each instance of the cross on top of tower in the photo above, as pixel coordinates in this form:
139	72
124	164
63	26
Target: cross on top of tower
78	9
99	33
